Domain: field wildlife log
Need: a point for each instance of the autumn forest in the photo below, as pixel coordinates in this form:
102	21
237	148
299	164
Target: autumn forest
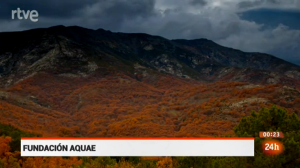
116	105
77	82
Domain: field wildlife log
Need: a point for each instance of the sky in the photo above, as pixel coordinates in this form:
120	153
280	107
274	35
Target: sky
268	26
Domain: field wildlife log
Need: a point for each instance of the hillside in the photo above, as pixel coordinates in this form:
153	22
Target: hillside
72	81
76	51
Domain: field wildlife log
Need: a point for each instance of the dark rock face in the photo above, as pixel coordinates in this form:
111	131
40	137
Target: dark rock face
76	51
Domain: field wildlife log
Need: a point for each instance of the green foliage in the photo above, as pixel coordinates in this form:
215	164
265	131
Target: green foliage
267	119
15	134
134	160
272	119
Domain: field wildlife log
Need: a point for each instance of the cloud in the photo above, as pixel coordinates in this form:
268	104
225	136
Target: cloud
289	18
275	4
198	2
218	20
249	4
281	41
6	26
107	14
113	13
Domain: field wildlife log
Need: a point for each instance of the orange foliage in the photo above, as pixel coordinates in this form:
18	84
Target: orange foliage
4	146
50	162
166	162
117	105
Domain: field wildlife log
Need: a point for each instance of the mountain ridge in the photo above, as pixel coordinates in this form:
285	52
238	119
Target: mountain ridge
78	50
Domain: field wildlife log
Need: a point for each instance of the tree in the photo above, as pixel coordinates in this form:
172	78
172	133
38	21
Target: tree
166	162
272	119
15	134
6	157
4	146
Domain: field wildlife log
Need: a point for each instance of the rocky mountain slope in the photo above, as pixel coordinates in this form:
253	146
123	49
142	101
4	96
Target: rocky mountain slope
78	52
72	81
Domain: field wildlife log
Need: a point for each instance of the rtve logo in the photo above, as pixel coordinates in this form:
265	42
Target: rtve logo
31	14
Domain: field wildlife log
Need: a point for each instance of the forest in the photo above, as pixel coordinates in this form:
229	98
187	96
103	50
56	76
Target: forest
116	105
269	119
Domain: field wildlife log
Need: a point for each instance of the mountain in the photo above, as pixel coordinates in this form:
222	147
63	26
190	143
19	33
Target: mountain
79	51
73	81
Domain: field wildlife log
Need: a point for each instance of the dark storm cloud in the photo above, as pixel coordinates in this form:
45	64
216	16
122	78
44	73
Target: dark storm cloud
46	8
198	2
249	4
113	13
274	17
123	8
217	20
107	14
